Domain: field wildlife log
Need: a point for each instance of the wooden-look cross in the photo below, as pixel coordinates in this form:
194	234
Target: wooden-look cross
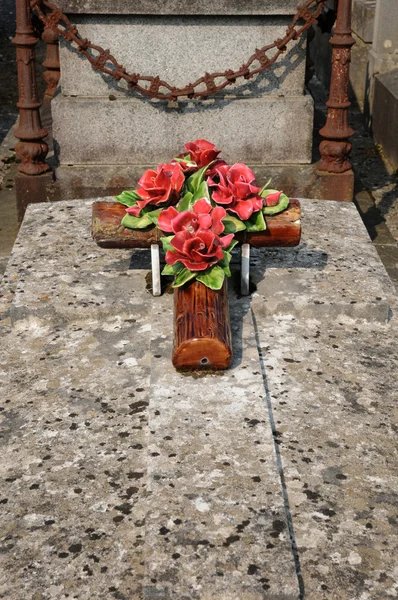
202	332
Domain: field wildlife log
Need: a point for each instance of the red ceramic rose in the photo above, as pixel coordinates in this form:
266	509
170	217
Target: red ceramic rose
198	154
202	216
233	188
216	165
197	250
158	187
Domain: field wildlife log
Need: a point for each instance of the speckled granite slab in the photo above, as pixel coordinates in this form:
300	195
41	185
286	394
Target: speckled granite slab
333	391
123	479
75	367
334	271
216	525
73	448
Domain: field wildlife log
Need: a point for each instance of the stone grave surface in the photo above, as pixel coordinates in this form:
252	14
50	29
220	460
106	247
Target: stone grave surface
98	124
122	478
363	18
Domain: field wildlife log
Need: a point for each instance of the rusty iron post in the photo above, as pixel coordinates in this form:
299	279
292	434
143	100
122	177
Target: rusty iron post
51	63
335	148
31	148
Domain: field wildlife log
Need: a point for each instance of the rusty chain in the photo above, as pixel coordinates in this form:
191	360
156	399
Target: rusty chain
203	87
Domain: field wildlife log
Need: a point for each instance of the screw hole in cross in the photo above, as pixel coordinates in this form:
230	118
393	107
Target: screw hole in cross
204	361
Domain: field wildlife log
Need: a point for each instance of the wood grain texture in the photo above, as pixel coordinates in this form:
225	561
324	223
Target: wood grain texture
284	229
108	231
202	332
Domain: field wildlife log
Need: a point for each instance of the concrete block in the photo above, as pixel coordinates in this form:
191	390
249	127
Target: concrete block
180	50
383	55
321	55
297	181
181	7
359	76
363	17
385	35
334	272
385	114
332	387
124	131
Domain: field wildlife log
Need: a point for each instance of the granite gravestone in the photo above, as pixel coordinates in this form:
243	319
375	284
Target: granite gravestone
106	134
124	478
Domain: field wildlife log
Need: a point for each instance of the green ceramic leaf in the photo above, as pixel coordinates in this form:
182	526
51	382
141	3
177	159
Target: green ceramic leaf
173	269
153	216
213	278
224	263
194	181
231	246
186	159
166	243
184	276
282	205
128	197
264	188
201	192
185	203
256	222
233	224
136	222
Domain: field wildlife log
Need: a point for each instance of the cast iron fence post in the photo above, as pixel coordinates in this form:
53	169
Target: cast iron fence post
335	148
31	148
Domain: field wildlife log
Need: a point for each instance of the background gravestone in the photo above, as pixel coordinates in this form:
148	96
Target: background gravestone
106	134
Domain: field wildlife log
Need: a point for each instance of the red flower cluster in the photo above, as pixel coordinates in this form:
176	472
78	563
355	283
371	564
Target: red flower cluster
197	250
233	187
210	188
196	242
159	187
202	216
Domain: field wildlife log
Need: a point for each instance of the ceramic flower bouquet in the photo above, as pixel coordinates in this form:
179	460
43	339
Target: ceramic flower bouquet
200	203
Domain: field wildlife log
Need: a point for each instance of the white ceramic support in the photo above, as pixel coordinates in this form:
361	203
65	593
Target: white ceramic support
155	261
244	270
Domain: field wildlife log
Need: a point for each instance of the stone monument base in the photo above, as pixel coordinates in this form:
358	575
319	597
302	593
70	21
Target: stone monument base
126	131
385	131
82	181
262	120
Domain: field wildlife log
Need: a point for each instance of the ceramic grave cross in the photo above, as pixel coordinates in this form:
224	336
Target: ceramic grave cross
202	334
